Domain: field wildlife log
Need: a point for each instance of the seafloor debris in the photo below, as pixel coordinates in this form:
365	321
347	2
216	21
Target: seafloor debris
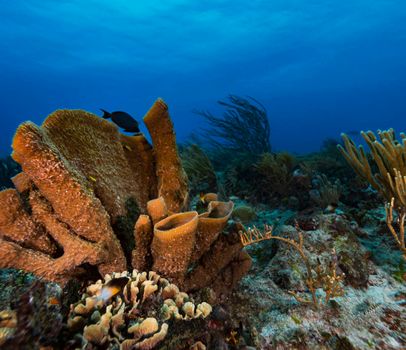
133	315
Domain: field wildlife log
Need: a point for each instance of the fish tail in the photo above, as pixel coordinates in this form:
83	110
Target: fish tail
106	115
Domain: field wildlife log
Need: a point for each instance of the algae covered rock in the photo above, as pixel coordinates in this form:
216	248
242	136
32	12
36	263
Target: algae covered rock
30	311
244	214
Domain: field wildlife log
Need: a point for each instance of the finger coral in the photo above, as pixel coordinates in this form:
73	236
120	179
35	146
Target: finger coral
137	316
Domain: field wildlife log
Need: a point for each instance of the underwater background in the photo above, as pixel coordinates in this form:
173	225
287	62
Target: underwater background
319	67
203	175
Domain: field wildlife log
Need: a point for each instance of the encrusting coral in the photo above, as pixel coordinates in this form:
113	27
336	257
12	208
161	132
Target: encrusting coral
89	196
133	310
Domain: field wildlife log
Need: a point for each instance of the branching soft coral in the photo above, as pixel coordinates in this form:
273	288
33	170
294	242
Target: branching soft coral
243	128
389	158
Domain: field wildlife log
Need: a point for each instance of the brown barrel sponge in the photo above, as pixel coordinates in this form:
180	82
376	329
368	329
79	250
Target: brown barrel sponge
211	224
157	209
173	243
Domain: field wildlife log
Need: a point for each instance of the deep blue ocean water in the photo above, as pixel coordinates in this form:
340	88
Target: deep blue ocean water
320	67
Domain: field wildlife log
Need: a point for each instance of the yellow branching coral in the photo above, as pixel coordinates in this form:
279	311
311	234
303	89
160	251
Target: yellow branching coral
388	154
389	157
399	235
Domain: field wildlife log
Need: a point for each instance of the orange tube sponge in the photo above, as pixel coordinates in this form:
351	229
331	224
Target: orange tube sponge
172	179
157	209
211	224
141	255
16	224
172	245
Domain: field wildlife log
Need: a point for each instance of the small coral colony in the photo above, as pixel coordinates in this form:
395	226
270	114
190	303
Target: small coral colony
112	240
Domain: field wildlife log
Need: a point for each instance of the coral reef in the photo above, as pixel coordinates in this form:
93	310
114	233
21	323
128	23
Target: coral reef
91	198
89	201
135	314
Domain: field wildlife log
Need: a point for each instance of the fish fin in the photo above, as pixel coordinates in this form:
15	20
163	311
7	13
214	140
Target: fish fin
132	130
106	115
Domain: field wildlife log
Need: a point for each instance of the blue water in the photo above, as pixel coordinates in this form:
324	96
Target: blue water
319	67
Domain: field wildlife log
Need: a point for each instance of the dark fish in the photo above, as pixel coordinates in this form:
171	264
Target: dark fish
123	120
